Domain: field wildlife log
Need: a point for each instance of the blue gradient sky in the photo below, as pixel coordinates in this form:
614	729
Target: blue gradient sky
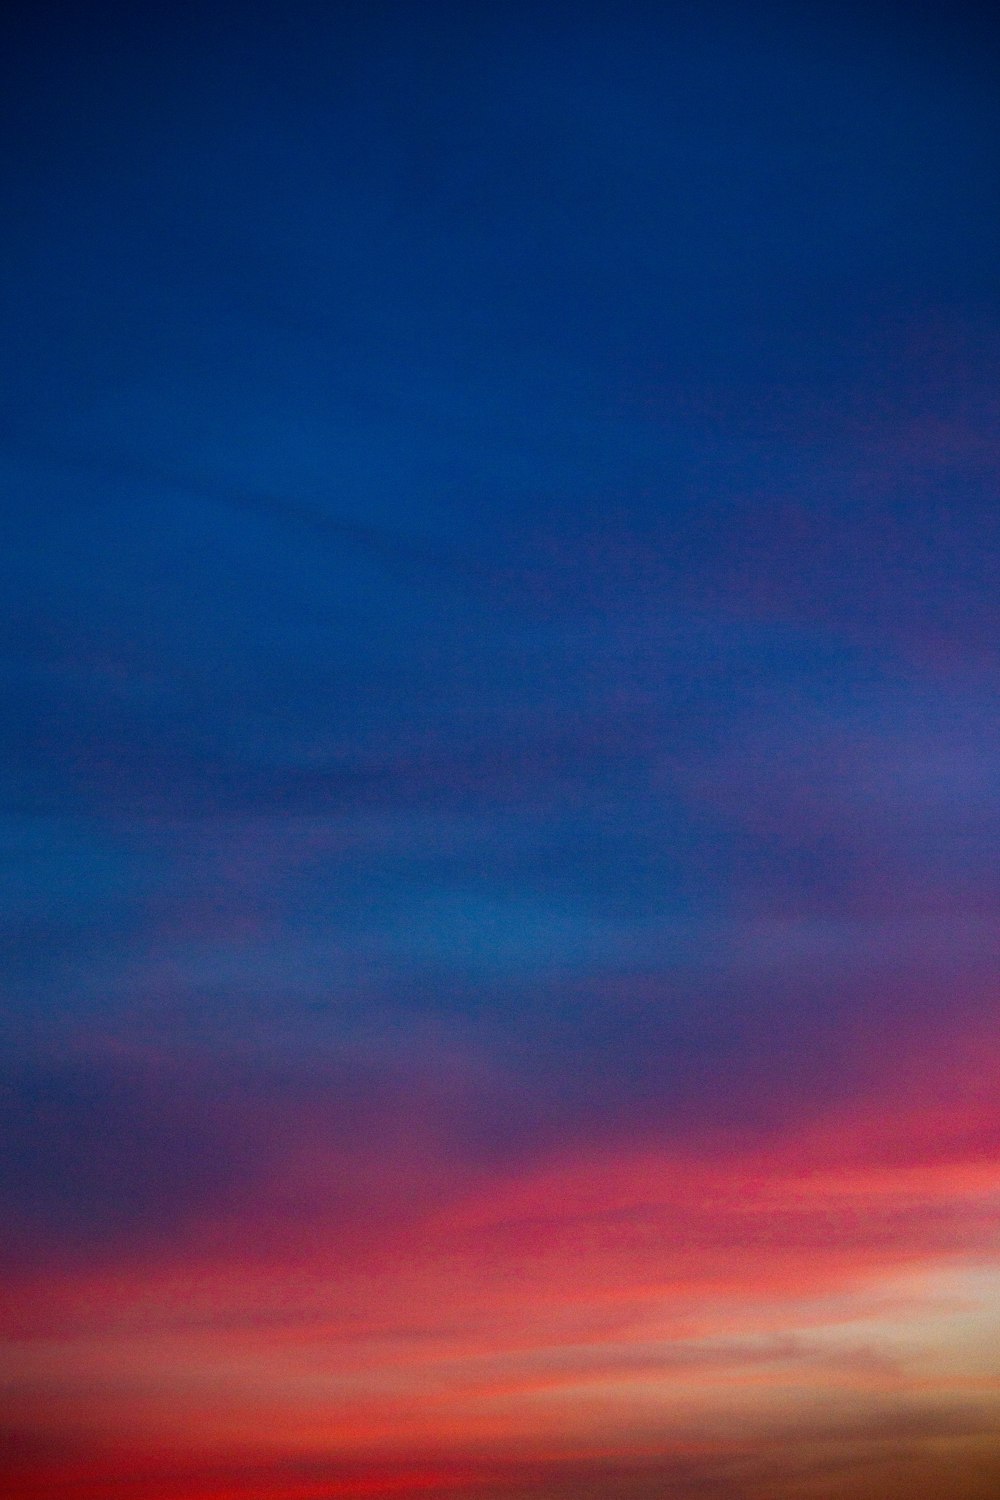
501	647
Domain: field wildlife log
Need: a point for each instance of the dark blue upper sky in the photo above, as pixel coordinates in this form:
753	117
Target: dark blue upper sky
499	579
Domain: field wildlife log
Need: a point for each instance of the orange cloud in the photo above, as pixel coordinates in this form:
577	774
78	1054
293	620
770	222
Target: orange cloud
601	1303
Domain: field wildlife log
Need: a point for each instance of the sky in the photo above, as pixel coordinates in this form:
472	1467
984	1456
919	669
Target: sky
499	797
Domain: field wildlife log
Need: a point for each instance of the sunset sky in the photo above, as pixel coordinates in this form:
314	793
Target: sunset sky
499	804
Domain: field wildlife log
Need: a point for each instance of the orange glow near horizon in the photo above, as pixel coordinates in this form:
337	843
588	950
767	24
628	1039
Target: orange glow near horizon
586	1309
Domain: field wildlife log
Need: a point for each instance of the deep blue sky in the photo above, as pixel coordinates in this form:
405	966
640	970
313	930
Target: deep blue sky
498	799
499	573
